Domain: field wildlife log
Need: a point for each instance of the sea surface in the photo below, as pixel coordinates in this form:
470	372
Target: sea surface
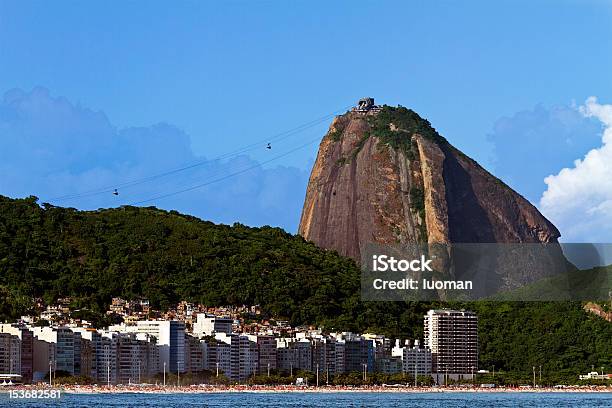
348	399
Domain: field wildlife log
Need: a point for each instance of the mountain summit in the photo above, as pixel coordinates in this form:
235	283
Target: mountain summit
384	175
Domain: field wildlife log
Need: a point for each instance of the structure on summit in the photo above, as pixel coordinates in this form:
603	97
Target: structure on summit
365	105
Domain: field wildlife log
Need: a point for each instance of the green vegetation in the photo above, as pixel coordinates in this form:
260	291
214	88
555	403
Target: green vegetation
394	126
576	284
406	122
52	252
559	336
64	378
335	135
417	202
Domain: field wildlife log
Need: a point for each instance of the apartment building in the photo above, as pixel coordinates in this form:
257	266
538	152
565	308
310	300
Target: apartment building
415	360
243	356
452	337
266	352
170	339
58	347
16	351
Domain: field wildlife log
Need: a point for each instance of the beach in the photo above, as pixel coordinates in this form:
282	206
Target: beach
204	388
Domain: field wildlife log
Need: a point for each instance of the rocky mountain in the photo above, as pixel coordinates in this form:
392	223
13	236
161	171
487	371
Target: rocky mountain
384	175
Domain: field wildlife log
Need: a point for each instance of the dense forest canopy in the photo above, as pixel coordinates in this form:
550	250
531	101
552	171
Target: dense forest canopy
132	252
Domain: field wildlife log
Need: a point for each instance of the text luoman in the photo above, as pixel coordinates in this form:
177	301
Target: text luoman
415	284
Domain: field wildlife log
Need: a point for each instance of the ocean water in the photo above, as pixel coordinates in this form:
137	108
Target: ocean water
340	400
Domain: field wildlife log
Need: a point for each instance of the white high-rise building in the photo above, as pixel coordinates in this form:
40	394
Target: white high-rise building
170	336
208	325
452	337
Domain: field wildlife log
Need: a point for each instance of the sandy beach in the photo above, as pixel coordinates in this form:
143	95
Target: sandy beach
158	389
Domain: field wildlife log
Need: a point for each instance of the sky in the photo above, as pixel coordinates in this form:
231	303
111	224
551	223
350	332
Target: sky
95	95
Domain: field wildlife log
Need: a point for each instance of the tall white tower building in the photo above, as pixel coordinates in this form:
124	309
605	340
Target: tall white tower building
452	337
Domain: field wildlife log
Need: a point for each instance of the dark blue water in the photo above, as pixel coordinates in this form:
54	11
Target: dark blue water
340	400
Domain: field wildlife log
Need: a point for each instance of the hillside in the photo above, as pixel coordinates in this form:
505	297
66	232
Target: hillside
52	252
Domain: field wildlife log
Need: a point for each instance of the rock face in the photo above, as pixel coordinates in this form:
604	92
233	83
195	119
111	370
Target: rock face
387	177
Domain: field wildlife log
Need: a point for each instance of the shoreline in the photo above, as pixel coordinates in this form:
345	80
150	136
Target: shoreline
207	389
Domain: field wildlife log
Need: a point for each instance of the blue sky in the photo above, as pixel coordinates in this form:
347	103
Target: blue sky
98	93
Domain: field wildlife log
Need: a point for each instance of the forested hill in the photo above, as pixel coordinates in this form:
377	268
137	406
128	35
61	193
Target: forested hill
132	252
167	257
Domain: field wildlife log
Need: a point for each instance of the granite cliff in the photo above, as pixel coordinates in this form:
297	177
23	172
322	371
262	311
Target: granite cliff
386	176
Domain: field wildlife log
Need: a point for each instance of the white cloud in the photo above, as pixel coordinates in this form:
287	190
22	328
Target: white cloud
543	140
578	199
